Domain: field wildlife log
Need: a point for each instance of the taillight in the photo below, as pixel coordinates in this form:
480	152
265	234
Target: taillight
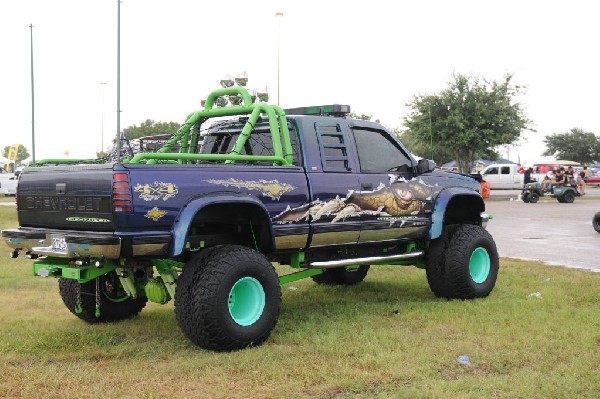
121	193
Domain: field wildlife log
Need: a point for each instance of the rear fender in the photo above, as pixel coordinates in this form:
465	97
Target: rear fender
454	205
182	224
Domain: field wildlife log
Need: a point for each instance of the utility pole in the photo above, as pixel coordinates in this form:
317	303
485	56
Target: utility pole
430	134
278	15
32	101
103	84
118	81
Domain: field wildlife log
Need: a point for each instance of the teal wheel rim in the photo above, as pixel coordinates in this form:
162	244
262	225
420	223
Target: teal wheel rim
114	291
246	301
479	265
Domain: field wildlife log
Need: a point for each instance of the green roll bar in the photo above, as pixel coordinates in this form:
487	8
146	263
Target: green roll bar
188	135
189	132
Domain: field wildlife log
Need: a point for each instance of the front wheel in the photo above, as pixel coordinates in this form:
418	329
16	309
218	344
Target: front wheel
463	263
525	197
115	304
596	222
534	197
229	300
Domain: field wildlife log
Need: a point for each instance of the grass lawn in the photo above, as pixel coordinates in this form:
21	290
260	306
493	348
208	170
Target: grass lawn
388	337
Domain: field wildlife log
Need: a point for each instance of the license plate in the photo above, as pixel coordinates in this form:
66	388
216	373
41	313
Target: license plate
59	245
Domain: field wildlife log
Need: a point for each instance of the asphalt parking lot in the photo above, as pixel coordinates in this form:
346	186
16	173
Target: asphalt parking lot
548	231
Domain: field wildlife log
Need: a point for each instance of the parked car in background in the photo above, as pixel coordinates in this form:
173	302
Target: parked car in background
594	177
8	183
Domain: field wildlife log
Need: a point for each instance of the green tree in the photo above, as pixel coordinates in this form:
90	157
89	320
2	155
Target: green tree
150	128
466	121
22	153
576	145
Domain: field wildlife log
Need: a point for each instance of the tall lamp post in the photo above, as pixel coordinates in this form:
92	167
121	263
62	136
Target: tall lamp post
118	81
278	15
430	133
103	84
32	102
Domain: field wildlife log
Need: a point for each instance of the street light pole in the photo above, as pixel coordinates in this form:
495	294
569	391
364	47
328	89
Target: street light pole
118	81
430	134
278	15
32	101
103	84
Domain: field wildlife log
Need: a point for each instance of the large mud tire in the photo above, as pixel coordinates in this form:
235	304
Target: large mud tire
228	299
342	276
463	263
115	304
596	222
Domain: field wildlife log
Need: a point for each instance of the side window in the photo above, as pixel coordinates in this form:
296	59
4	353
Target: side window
378	154
506	170
492	171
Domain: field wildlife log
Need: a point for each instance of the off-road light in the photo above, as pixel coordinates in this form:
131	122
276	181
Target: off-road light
235	99
263	94
252	93
227	81
241	79
221	101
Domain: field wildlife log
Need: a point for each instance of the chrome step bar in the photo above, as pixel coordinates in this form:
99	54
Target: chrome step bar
364	261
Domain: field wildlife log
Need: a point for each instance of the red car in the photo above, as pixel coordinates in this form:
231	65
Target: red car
594	179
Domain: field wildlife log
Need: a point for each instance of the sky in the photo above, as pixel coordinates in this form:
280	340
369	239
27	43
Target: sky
374	56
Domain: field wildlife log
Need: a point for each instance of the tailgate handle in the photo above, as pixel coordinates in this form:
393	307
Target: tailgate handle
61	188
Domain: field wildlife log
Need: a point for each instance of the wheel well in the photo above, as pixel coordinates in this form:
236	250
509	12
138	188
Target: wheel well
464	209
231	223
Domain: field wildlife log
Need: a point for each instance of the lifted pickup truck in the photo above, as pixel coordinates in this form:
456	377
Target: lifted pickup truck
308	187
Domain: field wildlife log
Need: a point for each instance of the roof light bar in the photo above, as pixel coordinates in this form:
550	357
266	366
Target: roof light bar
328	110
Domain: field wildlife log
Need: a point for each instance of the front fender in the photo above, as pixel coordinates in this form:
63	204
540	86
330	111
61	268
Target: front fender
182	224
441	205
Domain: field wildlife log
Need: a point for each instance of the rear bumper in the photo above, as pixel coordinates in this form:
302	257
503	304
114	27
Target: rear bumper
82	244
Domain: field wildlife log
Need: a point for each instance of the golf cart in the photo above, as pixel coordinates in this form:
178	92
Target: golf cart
563	193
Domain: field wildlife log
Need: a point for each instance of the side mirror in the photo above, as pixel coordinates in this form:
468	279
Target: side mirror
425	165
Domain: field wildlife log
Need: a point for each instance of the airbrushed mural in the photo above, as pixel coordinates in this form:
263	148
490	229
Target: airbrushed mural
401	198
269	188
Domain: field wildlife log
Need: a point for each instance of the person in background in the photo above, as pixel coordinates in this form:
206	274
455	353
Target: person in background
570	176
586	173
581	181
527	175
549	180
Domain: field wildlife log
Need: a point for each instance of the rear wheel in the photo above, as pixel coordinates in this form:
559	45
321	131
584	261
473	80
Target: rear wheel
533	198
114	302
569	197
342	275
596	222
228	300
525	197
463	263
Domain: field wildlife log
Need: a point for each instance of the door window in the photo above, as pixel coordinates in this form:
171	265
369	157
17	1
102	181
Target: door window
378	154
